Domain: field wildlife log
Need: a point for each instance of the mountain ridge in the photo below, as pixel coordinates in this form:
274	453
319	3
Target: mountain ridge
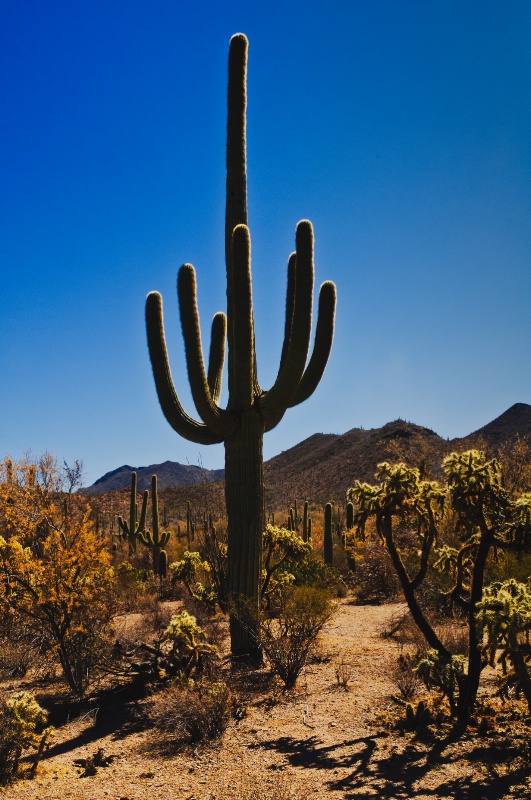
325	464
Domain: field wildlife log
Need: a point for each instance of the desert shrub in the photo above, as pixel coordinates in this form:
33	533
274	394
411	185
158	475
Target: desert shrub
344	671
18	653
374	578
194	573
20	719
312	571
283	550
189	713
454	634
287	638
404	676
132	585
58	579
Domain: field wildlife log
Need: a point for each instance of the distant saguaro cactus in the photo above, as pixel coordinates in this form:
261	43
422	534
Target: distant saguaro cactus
328	531
350	516
306	523
250	411
130	530
155	539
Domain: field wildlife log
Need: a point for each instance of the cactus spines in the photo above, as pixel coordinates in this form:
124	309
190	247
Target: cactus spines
328	540
130	530
250	411
155	539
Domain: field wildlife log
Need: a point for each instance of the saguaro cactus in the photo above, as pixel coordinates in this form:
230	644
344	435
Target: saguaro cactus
305	523
155	539
250	411
328	538
130	530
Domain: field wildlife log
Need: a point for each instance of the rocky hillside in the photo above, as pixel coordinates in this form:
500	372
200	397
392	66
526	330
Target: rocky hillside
323	466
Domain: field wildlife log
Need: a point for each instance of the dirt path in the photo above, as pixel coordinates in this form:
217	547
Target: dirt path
319	741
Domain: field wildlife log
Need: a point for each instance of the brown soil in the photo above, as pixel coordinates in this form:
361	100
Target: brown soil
317	741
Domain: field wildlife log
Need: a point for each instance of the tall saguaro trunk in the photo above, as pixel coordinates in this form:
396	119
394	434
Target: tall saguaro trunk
244	497
250	411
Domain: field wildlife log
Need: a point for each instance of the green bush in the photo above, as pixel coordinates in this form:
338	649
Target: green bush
312	571
287	638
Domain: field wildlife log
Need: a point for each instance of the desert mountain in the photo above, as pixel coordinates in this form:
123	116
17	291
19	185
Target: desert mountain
170	473
323	466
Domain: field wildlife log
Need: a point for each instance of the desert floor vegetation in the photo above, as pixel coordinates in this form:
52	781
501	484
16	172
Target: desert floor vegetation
116	681
330	736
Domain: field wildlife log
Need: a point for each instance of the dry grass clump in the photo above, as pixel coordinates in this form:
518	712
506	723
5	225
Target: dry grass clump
191	713
344	672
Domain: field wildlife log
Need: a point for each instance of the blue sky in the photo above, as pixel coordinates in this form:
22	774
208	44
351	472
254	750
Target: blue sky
401	129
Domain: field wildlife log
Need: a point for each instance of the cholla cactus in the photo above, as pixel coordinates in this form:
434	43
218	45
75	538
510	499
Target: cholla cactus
504	625
281	546
20	715
192	570
189	648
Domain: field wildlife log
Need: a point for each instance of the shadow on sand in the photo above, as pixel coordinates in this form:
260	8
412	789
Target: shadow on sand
417	769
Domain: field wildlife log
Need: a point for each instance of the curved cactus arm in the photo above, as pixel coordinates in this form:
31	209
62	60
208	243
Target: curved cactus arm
172	409
129	528
324	335
146	538
143	511
290	302
242	382
216	356
151	539
216	419
275	402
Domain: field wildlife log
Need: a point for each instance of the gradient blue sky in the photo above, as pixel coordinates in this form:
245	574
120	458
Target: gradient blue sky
401	129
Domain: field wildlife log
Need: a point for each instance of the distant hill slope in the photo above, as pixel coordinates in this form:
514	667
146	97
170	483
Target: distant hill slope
516	421
323	466
170	473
